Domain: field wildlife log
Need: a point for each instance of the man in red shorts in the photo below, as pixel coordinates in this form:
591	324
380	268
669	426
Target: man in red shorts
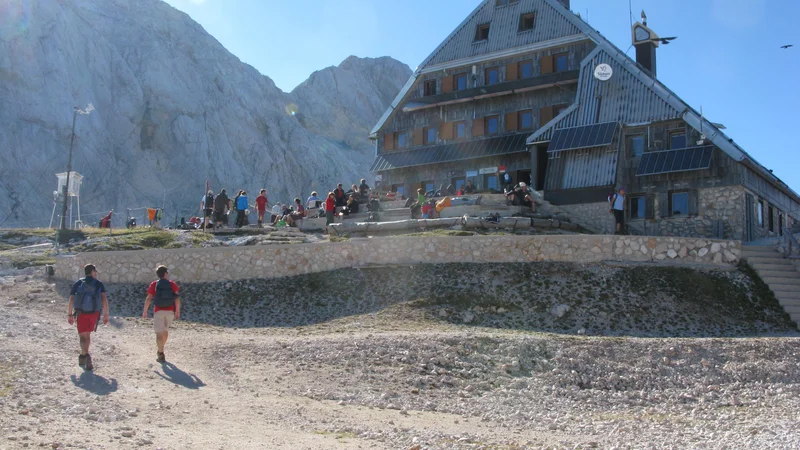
261	206
86	300
164	294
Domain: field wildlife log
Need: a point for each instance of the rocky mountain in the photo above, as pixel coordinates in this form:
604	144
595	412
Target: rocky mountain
173	108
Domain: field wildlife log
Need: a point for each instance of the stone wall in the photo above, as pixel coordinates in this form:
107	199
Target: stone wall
592	216
204	264
721	203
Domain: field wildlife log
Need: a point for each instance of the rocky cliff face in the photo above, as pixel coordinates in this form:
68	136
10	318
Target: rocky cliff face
172	109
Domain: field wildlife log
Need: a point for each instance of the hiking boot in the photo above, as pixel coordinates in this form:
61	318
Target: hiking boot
82	361
89	365
161	357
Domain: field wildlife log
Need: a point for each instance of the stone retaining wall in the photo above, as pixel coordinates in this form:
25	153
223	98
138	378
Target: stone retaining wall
225	263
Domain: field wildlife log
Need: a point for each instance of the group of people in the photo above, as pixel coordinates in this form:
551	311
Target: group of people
88	299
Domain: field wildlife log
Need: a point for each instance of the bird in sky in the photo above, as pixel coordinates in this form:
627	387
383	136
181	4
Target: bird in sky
787	46
666	40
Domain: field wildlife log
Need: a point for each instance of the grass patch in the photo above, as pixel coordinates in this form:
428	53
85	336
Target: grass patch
6	378
442	232
145	239
23	262
342	238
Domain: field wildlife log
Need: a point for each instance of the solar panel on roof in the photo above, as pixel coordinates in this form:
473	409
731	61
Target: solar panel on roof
451	152
598	135
671	161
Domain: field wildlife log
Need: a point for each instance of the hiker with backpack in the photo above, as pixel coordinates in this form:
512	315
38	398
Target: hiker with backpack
207	207
616	201
87	299
163	293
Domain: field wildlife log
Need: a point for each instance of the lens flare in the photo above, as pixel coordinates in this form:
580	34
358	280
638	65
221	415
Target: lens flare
15	17
291	109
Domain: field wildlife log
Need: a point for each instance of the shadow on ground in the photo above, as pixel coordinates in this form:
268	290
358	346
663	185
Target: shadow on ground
174	374
94	383
598	299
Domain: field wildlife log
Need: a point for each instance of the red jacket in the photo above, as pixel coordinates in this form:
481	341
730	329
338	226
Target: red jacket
330	204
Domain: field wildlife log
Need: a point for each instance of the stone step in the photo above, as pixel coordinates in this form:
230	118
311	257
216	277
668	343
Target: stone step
758	247
787	295
774	287
787	268
760	254
779	280
792	310
764	274
771	260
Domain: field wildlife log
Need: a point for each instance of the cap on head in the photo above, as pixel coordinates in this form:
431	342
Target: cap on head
88	269
263	191
313	192
522	184
161	271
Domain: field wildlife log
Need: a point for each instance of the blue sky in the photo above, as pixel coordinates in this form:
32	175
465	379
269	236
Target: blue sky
726	58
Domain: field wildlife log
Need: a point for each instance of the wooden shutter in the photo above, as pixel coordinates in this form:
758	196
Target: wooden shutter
693	210
545	115
417	136
447	84
446	131
388	141
512	72
649	207
478	127
511	121
546	63
663	205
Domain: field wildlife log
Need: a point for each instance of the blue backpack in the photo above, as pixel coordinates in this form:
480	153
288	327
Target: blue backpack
87	297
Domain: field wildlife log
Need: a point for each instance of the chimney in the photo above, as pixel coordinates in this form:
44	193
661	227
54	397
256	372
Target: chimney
646	42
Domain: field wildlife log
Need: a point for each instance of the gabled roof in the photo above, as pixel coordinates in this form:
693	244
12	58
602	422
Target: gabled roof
504	31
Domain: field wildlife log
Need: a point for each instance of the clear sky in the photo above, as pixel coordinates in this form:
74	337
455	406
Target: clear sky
726	58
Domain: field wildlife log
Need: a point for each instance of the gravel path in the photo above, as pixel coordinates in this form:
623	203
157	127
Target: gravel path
393	385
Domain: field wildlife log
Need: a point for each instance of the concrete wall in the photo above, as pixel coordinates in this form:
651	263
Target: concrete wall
225	263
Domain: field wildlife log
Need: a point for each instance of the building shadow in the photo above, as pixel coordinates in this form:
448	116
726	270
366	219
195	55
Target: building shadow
174	374
94	383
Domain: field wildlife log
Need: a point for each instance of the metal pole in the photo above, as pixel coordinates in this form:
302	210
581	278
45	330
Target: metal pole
69	169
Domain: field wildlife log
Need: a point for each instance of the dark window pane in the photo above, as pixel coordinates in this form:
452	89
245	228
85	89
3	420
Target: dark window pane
491	125
680	204
492	76
491	181
399	188
760	214
401	140
458	183
561	63
637	207
461	130
526	120
637	145
430	87
526	69
461	82
526	22
429	186
677	141
430	135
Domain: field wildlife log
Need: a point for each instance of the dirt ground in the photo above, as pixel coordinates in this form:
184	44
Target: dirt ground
368	381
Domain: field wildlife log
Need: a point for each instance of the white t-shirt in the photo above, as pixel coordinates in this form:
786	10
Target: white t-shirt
277	209
619	202
312	202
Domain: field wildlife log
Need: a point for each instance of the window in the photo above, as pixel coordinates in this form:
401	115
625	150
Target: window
637	207
461	130
461	82
504	2
677	139
427	186
526	21
490	182
399	188
525	119
492	124
492	75
558	109
761	214
561	62
400	140
780	224
429	135
526	69
636	145
430	87
458	182
482	33
770	220
679	204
